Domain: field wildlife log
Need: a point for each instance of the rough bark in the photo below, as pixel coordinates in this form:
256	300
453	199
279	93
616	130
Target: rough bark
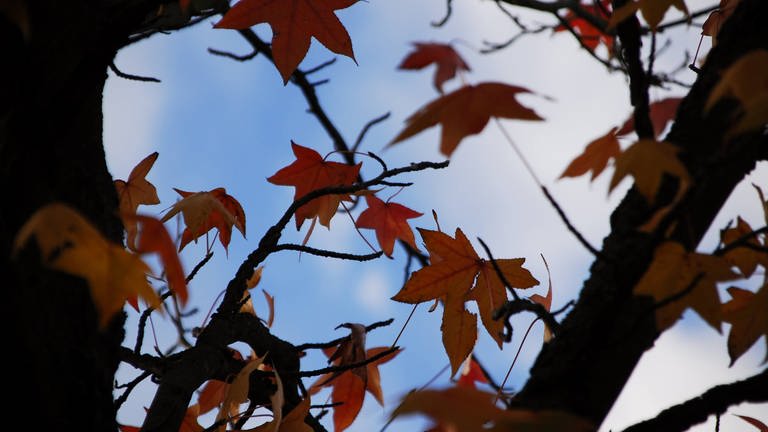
584	369
51	150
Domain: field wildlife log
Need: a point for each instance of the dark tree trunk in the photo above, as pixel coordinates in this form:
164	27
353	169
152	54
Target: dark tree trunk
584	369
51	83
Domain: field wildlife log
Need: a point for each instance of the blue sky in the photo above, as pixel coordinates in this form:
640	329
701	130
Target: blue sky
219	123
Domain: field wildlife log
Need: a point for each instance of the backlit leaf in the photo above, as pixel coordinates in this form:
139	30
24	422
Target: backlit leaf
465	112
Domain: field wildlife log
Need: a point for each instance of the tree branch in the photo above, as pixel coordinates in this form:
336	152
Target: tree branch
714	401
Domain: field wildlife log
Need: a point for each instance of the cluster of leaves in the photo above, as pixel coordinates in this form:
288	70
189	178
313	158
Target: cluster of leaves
677	279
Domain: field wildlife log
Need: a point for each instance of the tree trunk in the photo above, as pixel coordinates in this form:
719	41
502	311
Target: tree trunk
51	83
585	367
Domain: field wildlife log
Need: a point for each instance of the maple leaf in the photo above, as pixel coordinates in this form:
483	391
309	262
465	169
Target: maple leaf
653	11
446	58
349	388
452	279
134	192
746	81
390	222
293	24
743	257
470	410
647	161
490	293
692	276
749	322
545	301
661	113
589	35
237	391
310	172
717	17
470	374
293	422
212	395
69	243
188	423
465	112
763	201
595	156
203	211
762	427
154	238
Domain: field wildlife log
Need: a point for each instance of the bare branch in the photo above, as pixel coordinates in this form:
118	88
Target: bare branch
714	401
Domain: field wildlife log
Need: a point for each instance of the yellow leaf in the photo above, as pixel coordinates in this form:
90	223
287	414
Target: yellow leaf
237	392
746	80
647	160
653	11
687	277
69	243
467	409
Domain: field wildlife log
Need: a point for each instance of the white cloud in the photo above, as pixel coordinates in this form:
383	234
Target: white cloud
373	293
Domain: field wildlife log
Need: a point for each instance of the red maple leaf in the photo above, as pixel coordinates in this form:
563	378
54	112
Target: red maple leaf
466	111
589	35
293	24
310	172
661	113
390	222
204	211
448	61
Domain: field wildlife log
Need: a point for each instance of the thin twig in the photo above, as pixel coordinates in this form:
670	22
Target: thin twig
131	77
499	273
233	56
448	13
129	388
367	127
342	368
514	360
405	324
320	67
327	253
337	341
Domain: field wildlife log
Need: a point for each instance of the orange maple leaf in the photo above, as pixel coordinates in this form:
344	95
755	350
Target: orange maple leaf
595	156
761	427
446	58
653	11
589	35
749	321
204	211
470	374
293	24
390	222
212	395
469	409
661	113
154	238
349	387
465	112
716	18
748	256
135	191
69	243
310	172
746	81
692	277
647	161
452	279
